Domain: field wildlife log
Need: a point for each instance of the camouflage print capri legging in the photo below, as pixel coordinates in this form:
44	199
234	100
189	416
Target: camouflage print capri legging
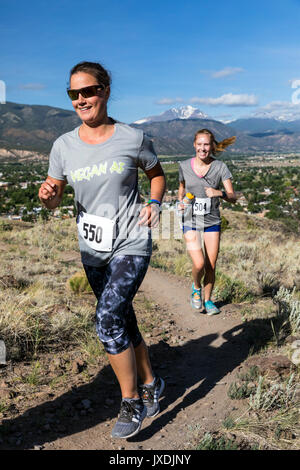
115	286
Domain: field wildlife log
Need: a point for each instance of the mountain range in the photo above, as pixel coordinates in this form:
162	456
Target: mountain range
35	127
184	112
258	134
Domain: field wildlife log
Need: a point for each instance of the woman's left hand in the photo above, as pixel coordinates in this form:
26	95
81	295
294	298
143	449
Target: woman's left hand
211	192
149	216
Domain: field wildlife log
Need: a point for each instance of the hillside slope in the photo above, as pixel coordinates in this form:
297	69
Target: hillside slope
58	391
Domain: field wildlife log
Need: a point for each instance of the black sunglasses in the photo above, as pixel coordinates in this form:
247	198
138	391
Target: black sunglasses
85	92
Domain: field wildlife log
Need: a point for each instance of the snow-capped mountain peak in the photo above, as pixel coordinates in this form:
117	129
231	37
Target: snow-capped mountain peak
187	112
183	112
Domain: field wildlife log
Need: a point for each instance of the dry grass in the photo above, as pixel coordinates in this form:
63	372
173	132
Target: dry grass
46	303
37	310
263	258
39	318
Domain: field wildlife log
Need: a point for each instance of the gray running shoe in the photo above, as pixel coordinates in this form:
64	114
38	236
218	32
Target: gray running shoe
132	413
196	299
150	395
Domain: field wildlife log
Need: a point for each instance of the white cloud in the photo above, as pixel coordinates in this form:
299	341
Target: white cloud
275	105
169	101
284	110
229	99
226	72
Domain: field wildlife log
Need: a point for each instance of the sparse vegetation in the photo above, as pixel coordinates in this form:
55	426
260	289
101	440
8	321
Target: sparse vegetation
34	377
3	406
288	307
78	283
270	419
209	442
231	291
274	395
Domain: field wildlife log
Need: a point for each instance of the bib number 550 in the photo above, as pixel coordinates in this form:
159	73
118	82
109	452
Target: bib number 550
96	232
92	232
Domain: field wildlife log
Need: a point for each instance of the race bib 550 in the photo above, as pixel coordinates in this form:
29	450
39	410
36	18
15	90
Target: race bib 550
96	231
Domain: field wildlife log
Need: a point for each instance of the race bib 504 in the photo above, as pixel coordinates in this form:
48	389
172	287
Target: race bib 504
202	206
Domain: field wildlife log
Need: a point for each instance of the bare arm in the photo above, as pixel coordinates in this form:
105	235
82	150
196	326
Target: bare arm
181	190
51	192
149	216
157	182
230	194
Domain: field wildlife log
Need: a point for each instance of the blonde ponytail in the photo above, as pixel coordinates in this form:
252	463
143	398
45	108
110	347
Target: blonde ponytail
221	146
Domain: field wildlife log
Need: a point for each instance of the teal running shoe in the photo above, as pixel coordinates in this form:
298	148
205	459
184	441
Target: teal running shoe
196	299
211	308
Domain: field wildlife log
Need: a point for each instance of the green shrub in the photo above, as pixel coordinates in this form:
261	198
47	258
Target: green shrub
224	223
79	283
288	307
208	442
182	265
268	282
269	396
239	391
228	290
5	226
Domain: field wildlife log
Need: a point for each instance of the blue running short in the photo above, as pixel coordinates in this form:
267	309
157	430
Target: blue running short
115	286
212	228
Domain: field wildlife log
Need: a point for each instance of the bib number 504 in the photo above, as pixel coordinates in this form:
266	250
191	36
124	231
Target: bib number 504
92	232
200	207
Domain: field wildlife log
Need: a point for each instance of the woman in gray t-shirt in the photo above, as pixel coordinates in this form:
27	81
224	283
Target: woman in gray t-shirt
201	176
100	160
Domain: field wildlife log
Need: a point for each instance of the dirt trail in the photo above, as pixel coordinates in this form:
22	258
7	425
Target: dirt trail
198	370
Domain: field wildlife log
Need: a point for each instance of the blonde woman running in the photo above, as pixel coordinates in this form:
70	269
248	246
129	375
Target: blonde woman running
202	176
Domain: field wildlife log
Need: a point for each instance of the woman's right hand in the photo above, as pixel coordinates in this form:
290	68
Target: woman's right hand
47	191
51	192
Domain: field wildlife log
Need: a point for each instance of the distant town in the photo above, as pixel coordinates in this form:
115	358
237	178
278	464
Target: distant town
267	186
19	185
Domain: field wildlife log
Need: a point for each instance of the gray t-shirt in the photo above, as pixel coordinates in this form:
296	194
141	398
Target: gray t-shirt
105	181
217	173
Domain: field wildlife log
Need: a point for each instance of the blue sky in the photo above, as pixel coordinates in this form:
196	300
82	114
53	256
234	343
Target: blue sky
230	59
